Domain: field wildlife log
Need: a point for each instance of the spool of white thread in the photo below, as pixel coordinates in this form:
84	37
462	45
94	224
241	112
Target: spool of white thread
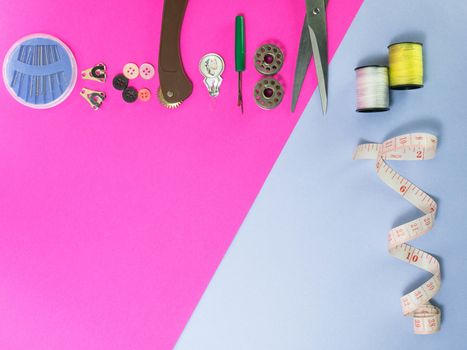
372	88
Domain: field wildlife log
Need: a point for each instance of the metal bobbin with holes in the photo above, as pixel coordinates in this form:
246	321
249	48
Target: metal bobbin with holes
268	93
269	59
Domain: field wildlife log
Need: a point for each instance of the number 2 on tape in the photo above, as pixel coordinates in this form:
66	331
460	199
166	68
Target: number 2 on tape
419	146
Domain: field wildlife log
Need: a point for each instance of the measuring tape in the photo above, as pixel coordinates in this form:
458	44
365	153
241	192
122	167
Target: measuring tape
418	146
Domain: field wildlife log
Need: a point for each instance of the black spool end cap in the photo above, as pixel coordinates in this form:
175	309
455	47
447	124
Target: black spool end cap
372	65
372	110
406	87
406	42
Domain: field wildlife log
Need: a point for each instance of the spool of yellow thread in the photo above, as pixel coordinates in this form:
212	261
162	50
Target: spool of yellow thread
405	66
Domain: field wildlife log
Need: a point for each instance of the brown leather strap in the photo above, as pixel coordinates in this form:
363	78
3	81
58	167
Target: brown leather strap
175	84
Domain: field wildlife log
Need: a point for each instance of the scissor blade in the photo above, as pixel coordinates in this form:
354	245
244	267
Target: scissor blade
303	61
316	16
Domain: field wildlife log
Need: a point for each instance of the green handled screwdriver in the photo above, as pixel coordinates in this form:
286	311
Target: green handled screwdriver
240	55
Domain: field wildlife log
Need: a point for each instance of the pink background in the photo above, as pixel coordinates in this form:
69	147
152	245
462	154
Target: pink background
113	222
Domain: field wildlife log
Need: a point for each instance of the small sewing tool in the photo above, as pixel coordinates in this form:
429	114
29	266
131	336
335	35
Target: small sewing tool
372	88
96	73
144	94
120	82
211	67
147	71
417	146
240	55
406	66
268	93
130	94
269	59
94	98
313	41
39	71
175	86
131	71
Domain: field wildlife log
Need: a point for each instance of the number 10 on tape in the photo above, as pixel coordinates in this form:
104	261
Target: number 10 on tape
419	146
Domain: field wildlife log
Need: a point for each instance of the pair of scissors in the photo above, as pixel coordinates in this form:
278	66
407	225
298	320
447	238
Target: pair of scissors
314	41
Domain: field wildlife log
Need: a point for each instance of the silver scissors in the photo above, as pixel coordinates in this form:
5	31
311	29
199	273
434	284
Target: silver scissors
314	41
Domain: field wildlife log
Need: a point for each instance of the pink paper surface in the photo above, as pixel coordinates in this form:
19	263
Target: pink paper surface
113	222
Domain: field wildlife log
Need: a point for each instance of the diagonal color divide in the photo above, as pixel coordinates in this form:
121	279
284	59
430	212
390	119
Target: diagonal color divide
112	223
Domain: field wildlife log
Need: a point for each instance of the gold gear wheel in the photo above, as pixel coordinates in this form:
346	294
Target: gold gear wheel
165	103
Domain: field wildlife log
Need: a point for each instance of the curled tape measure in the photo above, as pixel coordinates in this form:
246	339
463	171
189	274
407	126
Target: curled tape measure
419	146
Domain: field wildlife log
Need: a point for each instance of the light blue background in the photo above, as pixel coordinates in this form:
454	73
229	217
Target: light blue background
309	267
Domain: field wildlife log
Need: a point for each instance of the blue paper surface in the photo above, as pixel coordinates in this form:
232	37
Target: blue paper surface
309	268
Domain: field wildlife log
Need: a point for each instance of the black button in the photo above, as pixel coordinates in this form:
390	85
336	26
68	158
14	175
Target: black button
120	82
130	94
